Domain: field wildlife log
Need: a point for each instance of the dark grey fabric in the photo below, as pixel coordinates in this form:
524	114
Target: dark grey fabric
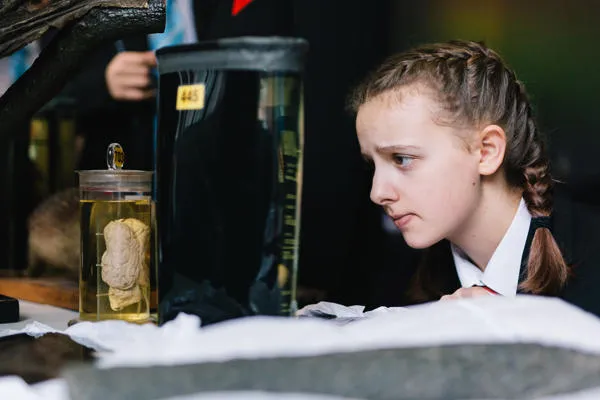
500	371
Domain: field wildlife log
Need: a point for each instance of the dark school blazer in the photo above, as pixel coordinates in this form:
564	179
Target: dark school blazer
575	225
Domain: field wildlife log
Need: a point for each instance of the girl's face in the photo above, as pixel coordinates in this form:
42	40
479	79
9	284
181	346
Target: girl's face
425	177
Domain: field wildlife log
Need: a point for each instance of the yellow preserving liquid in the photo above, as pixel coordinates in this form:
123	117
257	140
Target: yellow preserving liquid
114	280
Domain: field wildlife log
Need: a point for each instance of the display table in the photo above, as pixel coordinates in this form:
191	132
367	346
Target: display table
482	348
58	292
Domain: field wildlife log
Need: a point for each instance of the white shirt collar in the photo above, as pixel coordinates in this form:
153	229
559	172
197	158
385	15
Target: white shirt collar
502	271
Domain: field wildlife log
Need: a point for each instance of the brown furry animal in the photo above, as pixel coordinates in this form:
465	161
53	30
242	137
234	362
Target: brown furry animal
54	236
36	360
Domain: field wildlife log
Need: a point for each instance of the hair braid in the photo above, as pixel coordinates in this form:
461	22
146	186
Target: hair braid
547	271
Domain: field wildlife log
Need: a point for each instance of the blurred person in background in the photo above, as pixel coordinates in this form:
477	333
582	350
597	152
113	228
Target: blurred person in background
115	92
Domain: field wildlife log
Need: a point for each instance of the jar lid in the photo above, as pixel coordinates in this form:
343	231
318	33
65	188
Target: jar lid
250	53
116	180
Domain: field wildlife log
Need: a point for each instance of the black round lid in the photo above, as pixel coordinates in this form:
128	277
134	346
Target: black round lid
269	53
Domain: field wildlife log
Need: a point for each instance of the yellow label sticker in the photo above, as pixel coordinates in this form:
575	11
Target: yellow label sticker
190	97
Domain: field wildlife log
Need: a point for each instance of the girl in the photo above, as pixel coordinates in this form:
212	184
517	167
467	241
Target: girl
460	167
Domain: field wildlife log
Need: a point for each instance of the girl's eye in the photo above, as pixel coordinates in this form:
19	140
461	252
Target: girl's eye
403	161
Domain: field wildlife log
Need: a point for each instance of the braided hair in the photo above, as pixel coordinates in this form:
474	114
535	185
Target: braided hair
473	85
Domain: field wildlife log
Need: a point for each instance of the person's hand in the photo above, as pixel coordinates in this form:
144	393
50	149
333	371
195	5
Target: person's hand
464	293
128	76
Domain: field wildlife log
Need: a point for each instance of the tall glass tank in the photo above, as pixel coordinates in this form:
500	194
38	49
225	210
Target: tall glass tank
229	177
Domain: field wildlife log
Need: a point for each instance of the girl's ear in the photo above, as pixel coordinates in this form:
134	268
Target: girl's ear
492	147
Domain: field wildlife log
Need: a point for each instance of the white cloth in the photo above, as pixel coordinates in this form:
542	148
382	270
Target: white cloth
485	319
502	271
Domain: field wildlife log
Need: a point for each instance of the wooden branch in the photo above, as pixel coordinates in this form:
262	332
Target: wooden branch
65	54
27	21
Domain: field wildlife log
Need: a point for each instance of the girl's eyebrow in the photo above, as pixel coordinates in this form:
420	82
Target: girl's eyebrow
396	149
